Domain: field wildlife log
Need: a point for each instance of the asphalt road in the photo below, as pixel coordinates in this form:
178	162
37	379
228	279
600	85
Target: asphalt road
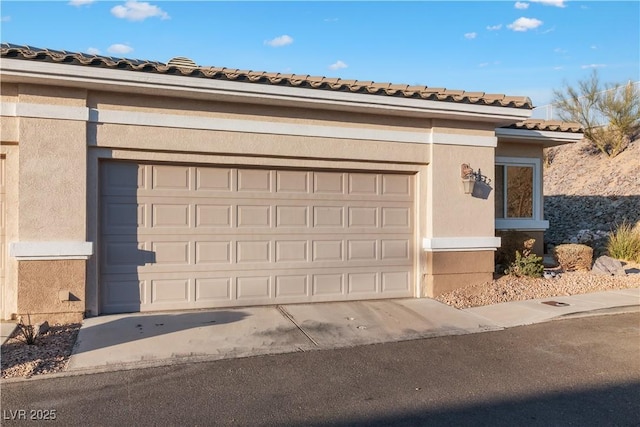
582	372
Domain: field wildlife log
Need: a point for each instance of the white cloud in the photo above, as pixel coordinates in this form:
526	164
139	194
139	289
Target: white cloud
5	19
331	20
584	67
558	68
525	24
494	27
484	64
594	47
138	11
79	3
521	5
556	3
338	65
470	36
119	48
280	41
559	50
93	51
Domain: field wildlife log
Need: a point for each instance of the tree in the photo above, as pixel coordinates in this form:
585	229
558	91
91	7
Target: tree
609	115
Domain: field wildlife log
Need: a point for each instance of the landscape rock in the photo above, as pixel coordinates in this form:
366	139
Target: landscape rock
608	266
42	328
584	204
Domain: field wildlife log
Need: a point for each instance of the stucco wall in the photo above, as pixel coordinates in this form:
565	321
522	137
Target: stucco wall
248	144
52	180
109	101
452	270
454	213
514	149
9	288
40	284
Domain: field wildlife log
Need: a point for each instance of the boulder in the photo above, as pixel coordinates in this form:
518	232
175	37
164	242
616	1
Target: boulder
573	257
608	266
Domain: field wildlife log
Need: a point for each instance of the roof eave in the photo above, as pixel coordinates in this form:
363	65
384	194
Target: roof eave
546	138
21	71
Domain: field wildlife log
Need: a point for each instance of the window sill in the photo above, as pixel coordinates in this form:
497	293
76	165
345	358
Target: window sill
522	224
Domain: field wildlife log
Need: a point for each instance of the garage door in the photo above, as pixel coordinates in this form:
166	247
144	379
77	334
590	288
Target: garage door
179	237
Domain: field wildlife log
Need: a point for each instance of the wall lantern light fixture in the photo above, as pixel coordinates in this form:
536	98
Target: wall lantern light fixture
470	177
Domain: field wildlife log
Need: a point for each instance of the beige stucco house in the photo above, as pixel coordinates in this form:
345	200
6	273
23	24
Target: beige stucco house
137	186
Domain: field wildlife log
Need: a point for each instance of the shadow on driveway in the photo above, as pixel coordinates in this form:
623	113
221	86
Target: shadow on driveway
108	331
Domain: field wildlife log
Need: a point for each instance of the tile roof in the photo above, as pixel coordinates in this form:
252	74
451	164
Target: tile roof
547	125
8	50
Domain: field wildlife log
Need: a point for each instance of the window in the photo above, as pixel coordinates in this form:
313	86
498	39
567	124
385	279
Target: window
518	194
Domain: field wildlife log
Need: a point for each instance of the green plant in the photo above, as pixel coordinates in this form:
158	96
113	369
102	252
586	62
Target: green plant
526	263
590	102
28	331
624	243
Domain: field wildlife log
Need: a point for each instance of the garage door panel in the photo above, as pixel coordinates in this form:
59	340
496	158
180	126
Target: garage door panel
216	252
258	181
254	216
362	250
328	183
291	251
123	213
253	287
328	285
214	216
171	253
185	236
169	291
122	179
170	215
363	283
253	251
395	281
397	185
292	216
171	178
213	289
217	180
363	184
292	182
292	286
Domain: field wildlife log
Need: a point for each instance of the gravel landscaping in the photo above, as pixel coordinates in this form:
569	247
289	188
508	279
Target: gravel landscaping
510	288
49	354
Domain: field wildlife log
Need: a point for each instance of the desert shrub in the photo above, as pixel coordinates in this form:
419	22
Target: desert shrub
590	102
624	242
28	331
526	263
511	241
573	256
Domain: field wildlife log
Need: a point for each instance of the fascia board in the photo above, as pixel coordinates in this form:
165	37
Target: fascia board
545	137
261	93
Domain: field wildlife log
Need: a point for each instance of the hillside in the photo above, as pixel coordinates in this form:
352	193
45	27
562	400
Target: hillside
587	193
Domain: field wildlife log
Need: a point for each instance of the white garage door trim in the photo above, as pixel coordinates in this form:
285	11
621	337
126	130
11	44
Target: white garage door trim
189	236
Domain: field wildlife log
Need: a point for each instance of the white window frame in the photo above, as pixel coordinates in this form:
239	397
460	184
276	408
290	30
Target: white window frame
537	223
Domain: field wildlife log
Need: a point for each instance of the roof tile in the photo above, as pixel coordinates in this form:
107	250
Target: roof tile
8	50
547	125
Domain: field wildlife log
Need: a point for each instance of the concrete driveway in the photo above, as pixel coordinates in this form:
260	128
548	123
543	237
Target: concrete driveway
126	341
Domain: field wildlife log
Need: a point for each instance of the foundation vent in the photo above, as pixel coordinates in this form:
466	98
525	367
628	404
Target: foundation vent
182	62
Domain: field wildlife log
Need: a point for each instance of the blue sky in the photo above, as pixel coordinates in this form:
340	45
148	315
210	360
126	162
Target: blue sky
514	47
